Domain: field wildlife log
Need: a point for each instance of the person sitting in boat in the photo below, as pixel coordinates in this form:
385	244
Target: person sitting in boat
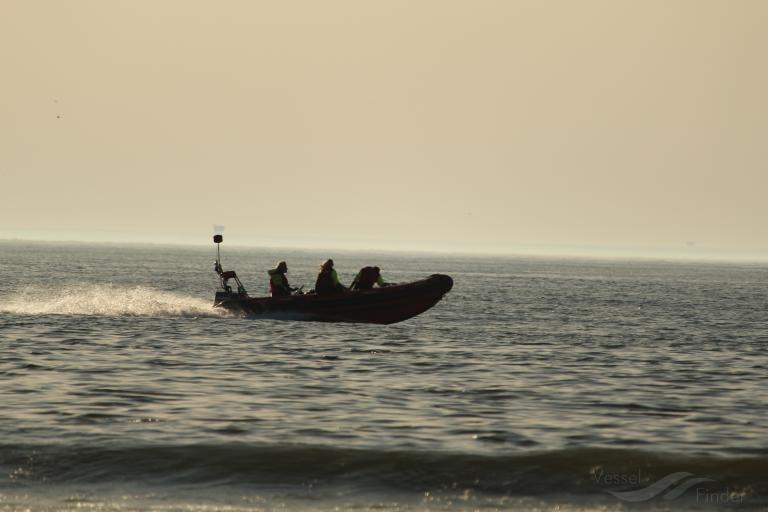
367	277
328	280
278	283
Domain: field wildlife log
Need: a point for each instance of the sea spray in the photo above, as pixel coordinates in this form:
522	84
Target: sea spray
106	300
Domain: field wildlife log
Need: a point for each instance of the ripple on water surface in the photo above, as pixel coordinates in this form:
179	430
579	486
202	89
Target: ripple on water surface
523	357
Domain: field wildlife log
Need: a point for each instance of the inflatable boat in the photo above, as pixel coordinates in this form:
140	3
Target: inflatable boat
386	305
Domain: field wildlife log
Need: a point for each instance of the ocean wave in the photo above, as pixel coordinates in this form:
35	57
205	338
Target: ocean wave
572	471
106	300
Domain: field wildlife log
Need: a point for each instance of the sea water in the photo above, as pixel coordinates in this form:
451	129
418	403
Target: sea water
536	384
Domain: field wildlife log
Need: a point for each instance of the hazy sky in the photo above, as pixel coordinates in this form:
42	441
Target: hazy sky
477	125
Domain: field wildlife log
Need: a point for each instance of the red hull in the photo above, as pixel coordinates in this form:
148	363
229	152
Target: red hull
378	306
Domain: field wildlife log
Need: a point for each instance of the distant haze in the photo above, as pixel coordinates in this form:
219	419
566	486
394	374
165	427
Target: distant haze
503	126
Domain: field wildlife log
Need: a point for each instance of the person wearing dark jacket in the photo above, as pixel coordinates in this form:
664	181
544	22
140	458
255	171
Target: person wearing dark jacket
328	280
367	277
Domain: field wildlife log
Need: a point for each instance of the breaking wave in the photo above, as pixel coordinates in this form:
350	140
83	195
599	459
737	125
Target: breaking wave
574	471
106	300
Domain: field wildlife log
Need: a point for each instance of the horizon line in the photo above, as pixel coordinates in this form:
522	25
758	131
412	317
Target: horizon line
532	252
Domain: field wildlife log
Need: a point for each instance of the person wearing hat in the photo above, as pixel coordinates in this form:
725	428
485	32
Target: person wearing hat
278	283
328	280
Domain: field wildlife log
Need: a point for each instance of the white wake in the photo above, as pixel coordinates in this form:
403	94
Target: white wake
106	300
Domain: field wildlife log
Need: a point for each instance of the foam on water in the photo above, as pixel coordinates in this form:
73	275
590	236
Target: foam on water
106	300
